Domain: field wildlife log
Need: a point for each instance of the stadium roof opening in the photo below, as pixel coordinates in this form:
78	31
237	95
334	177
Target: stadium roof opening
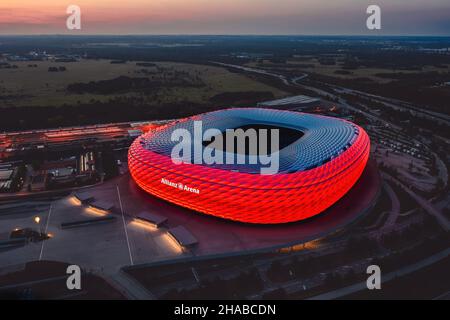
286	137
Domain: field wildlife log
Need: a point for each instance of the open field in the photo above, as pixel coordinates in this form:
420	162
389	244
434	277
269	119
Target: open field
36	86
311	64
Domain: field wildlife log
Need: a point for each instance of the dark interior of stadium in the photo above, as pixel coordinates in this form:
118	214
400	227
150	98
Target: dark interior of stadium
286	135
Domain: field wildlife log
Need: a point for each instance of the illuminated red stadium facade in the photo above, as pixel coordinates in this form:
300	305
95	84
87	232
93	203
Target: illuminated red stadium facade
315	170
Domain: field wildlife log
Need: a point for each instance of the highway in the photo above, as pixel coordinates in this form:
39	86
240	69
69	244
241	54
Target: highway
391	102
342	292
21	141
424	203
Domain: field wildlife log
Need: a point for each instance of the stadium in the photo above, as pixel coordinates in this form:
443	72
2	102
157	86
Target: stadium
320	159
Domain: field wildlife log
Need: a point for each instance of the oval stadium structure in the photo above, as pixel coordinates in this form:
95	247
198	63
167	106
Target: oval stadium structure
320	158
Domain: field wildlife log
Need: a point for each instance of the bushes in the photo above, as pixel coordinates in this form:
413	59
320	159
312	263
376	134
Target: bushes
237	287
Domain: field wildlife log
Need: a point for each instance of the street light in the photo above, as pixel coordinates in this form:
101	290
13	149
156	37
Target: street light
37	220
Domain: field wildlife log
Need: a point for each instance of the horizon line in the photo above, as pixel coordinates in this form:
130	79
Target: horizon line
218	35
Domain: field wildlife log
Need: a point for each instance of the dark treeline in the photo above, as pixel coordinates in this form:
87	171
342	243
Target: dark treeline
118	110
241	97
34	117
369	51
124	84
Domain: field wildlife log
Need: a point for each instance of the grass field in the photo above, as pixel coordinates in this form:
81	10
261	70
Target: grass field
330	70
35	86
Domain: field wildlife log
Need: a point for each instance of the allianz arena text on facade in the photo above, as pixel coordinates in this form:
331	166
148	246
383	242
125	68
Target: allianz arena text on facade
315	170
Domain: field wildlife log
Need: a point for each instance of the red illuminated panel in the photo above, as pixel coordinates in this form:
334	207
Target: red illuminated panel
245	197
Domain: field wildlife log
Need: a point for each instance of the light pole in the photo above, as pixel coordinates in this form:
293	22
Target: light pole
37	220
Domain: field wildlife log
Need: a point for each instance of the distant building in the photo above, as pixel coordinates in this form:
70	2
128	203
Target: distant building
10	175
6	178
300	101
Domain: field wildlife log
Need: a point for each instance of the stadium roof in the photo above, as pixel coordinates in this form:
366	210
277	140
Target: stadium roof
323	139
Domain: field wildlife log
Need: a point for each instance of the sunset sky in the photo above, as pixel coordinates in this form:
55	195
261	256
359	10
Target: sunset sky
225	17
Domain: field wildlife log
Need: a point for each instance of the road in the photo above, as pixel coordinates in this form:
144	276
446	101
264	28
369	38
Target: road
424	203
342	292
400	105
391	102
254	70
395	210
394	103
